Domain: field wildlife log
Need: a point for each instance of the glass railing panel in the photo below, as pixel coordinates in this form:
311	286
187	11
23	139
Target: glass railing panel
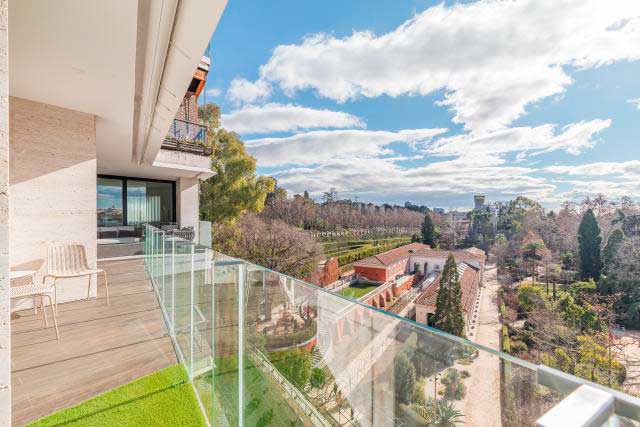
263	348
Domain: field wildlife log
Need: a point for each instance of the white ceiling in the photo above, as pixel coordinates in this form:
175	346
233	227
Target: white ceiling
78	54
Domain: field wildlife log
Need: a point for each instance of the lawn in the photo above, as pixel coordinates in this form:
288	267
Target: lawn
357	290
164	398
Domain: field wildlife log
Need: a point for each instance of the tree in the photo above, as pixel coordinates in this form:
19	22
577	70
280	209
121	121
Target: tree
611	249
630	223
235	188
318	378
405	378
449	316
533	250
589	240
272	244
428	231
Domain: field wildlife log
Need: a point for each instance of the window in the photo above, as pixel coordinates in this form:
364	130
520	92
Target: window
110	202
133	201
149	201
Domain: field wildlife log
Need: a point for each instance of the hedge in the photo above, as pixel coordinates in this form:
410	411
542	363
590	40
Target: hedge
366	252
506	343
335	246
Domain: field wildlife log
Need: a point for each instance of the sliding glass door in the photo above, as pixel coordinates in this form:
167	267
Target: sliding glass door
134	201
149	201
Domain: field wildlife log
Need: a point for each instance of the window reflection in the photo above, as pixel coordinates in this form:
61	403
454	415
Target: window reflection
110	202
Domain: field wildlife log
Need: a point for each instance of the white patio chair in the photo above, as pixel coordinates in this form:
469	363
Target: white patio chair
32	291
68	261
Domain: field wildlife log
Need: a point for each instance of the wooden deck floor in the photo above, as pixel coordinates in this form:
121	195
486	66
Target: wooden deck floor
100	346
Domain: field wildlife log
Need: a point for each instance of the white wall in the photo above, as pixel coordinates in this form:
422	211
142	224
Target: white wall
432	263
188	203
5	306
52	186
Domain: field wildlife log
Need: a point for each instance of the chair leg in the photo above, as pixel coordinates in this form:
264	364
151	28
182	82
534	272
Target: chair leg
55	320
106	285
55	297
89	287
44	312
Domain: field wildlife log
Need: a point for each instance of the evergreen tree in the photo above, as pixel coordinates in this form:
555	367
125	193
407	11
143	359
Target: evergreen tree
428	231
449	316
589	240
610	250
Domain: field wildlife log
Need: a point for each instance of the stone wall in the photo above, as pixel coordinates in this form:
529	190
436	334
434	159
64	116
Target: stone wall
5	306
52	186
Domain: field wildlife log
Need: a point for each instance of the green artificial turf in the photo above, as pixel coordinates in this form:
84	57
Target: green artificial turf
357	290
164	398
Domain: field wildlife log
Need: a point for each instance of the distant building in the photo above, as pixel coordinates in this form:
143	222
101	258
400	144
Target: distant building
479	201
439	211
399	269
470	282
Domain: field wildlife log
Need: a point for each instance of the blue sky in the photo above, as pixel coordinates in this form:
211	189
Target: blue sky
389	101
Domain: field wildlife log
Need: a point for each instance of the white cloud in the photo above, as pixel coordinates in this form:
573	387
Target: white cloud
440	182
285	118
491	58
213	92
320	146
629	168
524	141
635	101
243	91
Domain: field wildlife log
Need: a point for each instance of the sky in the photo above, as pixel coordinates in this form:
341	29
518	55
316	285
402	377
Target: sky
433	102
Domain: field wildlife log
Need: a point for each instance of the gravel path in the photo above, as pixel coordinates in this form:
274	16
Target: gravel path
482	403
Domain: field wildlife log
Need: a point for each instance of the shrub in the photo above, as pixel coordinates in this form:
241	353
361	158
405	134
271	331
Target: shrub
518	347
530	296
506	344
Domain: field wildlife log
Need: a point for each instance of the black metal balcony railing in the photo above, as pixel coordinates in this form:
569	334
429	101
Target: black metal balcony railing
187	137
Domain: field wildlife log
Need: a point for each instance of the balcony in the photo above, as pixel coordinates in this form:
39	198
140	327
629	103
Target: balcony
187	137
259	346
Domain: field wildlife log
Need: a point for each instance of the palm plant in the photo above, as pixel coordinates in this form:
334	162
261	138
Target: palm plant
533	251
447	415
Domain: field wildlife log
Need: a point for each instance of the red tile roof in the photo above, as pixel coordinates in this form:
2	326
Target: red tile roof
389	257
403	252
467	285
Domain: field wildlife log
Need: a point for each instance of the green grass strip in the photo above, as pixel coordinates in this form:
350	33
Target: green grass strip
164	398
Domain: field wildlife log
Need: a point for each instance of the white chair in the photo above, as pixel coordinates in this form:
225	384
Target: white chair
68	261
32	291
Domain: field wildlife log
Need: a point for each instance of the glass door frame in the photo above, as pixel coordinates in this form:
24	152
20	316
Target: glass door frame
124	179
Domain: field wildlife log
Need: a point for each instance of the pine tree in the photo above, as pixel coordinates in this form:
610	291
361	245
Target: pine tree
428	231
589	240
449	316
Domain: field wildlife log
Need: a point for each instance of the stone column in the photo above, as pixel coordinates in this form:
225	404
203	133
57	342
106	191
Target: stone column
188	203
5	307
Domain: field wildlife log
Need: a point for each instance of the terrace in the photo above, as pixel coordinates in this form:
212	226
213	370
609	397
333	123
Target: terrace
222	315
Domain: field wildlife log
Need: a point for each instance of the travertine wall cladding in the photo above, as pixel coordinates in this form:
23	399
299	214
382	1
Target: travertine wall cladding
5	307
52	185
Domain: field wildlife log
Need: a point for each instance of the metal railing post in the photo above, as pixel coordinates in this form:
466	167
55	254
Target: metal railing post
192	306
241	285
162	238
173	284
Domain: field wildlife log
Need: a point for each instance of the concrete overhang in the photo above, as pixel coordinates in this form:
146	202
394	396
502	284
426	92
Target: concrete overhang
128	63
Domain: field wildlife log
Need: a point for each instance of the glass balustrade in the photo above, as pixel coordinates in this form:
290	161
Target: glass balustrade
264	349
